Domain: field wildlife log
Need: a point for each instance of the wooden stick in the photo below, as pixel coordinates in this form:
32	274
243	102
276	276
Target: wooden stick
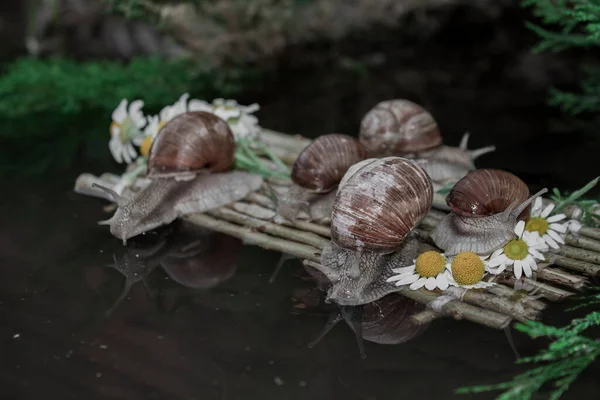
425	317
577	254
517	297
459	310
563	278
575	265
593	233
250	236
269	227
583	242
550	292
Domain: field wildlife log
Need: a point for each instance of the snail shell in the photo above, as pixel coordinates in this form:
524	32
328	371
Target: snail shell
398	127
485	192
379	204
189	143
322	164
486	205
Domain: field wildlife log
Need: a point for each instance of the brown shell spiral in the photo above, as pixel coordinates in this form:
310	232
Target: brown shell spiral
191	142
484	192
380	204
323	163
397	127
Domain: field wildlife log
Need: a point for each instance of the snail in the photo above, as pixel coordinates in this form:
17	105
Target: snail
486	204
384	321
403	128
317	171
378	204
189	165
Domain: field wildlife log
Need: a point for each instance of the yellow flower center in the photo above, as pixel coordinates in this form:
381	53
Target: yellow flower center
516	249
429	264
145	146
537	224
467	268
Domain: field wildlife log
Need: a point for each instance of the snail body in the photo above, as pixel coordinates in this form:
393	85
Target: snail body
378	204
316	173
189	167
485	207
403	128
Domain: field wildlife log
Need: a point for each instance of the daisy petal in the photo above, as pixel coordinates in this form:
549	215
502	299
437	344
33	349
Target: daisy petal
558	228
496	253
114	146
556	218
527	269
402	270
407	279
430	284
441	282
536	254
494	262
547	210
520	228
418	284
120	113
550	241
518	268
530	262
556	237
400	277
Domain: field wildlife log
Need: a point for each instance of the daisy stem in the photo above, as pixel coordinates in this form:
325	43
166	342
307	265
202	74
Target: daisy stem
572	198
273	157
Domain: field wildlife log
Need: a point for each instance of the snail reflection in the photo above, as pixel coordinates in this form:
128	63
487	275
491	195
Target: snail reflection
192	256
385	321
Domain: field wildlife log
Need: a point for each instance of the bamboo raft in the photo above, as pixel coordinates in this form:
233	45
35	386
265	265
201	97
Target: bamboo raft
254	220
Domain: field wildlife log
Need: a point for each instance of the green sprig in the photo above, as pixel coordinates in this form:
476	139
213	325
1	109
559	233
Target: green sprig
247	159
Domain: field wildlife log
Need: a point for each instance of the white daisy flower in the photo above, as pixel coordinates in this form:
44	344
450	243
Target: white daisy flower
150	131
125	127
520	253
242	123
467	270
429	271
547	226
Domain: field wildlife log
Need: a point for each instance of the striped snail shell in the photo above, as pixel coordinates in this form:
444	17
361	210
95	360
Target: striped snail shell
322	164
485	192
486	205
190	143
398	127
380	202
316	173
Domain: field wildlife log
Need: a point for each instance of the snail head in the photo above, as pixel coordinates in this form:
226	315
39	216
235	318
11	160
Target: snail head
129	220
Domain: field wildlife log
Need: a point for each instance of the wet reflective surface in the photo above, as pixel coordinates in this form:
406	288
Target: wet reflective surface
202	321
